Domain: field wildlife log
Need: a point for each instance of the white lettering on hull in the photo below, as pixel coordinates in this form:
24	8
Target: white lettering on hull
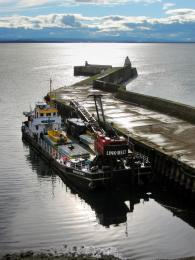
121	152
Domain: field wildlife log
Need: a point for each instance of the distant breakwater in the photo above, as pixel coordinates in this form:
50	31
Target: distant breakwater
114	81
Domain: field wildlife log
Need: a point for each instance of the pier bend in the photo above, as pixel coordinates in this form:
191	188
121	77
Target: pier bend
161	129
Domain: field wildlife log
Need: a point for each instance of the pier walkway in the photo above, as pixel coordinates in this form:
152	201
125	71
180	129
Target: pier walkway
169	141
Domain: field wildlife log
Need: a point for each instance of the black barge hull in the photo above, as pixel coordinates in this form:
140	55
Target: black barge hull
106	179
73	175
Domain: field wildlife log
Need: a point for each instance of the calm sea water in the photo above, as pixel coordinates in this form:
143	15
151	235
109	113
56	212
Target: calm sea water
37	208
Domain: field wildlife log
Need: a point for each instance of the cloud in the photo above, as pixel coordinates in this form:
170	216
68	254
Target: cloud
7	5
105	23
108	2
180	12
3	2
168	6
31	3
42	21
34	3
179	24
16	6
181	15
77	20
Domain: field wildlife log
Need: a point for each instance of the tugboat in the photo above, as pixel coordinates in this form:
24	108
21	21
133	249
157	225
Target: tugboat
88	154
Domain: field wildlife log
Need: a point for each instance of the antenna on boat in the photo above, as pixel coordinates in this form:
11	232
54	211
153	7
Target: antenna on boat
30	107
126	229
50	86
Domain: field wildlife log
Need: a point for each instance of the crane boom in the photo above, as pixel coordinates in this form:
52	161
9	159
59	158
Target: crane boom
90	119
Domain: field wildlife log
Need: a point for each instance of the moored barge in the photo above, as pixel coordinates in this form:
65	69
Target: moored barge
83	152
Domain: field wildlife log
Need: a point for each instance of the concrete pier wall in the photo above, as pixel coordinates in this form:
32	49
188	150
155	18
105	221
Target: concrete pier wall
166	166
164	106
113	81
120	75
106	86
167	169
90	69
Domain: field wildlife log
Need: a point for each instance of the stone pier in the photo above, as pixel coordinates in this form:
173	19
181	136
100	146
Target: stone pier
162	130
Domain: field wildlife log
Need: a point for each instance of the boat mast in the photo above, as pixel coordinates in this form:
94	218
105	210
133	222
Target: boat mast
50	86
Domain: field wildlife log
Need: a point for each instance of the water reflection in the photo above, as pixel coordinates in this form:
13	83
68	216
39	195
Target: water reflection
183	208
112	207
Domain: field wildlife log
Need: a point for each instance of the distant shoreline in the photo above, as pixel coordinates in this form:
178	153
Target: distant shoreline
83	41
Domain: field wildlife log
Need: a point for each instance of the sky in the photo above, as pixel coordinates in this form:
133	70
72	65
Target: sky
98	20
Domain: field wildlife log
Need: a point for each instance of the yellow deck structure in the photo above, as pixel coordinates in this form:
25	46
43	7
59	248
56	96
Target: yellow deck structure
57	136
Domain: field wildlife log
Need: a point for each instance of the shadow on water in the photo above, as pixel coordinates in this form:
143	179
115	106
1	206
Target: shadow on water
111	206
172	200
